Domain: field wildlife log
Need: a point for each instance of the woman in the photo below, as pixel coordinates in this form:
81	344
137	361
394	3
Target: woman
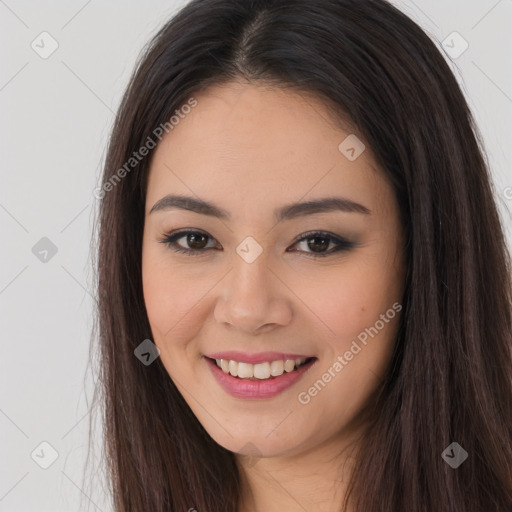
303	283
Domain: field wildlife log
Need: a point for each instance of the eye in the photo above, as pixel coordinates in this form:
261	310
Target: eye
317	241
196	241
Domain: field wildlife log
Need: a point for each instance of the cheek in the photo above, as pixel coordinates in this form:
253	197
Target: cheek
350	298
355	361
172	306
168	296
360	305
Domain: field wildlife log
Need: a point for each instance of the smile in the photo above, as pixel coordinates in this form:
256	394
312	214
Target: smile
257	381
260	371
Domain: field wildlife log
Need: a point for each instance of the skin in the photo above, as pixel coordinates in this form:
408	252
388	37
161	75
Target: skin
250	149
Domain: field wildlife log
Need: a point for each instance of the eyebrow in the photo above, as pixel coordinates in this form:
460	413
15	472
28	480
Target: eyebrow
291	211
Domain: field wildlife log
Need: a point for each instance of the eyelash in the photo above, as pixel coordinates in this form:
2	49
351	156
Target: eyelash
343	245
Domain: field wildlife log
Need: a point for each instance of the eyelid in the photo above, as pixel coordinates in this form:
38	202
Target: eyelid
170	239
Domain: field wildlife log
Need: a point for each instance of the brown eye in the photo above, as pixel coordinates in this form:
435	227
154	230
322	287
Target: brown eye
196	240
318	244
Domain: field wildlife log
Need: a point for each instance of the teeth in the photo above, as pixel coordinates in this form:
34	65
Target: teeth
245	370
233	368
289	365
260	370
276	368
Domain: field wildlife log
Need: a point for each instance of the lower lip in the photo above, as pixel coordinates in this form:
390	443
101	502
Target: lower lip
254	389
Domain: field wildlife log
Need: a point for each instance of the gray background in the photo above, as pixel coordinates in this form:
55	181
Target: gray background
56	114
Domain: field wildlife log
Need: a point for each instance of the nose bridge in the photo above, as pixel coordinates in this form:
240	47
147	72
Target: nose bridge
252	296
252	277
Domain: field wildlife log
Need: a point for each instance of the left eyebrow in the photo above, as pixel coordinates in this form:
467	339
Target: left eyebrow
326	204
287	212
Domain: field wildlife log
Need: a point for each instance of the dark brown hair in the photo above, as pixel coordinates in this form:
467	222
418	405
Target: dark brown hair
451	374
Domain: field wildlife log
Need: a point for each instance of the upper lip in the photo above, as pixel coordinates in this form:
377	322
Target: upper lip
261	357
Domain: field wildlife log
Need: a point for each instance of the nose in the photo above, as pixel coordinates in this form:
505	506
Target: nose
253	299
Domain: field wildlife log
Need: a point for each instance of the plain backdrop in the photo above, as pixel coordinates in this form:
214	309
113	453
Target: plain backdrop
56	114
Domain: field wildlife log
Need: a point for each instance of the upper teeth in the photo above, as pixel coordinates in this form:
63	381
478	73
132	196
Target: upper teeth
260	370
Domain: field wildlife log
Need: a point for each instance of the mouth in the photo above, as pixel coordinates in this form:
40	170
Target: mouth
268	370
267	379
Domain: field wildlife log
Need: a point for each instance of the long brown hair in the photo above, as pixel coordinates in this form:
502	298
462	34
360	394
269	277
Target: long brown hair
450	379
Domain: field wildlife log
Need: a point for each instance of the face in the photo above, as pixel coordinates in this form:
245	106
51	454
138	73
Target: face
263	282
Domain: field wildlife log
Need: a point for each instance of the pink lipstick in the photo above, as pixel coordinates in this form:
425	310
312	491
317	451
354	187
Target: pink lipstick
257	389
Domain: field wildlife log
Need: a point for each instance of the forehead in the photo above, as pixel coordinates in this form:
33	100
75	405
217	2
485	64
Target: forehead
250	144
